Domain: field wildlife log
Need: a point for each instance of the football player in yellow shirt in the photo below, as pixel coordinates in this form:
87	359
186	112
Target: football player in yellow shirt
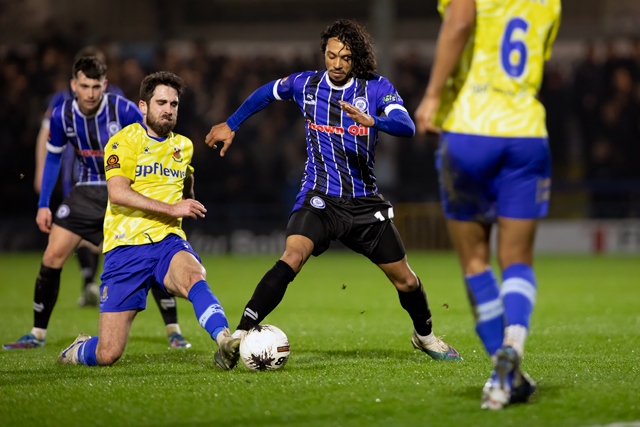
146	166
493	163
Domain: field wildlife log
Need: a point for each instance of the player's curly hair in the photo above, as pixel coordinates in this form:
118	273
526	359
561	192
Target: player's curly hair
359	41
164	78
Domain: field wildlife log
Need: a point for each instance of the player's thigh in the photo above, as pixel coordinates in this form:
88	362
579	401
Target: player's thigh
314	226
523	184
126	278
515	241
113	330
62	243
467	166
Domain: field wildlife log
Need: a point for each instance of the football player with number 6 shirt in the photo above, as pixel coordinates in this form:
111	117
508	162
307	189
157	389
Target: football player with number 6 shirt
494	164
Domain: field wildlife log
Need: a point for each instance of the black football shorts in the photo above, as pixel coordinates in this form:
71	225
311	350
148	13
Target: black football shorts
363	224
82	212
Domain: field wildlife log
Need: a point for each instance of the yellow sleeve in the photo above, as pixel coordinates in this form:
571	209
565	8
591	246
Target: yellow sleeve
552	36
442	6
120	157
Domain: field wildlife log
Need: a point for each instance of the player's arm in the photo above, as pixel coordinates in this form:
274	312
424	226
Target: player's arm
51	169
121	193
456	29
41	153
225	132
397	121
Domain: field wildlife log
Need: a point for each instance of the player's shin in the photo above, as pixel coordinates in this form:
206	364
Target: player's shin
518	297
267	295
417	305
208	309
484	296
45	297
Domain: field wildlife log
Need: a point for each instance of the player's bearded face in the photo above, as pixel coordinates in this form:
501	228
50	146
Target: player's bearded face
337	59
162	111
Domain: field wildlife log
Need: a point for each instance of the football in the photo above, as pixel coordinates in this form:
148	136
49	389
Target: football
264	348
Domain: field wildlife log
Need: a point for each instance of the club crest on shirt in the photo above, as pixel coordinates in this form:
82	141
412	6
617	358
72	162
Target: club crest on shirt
310	99
176	154
361	104
317	202
113	162
114	145
113	128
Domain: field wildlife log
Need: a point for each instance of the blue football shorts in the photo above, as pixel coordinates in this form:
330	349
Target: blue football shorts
130	271
484	177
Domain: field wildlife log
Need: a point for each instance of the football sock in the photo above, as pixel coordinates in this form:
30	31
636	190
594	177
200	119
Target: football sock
46	295
88	261
416	304
267	295
173	328
166	304
484	296
518	294
207	308
87	352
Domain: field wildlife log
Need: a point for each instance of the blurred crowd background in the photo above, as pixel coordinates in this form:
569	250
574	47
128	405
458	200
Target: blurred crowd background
591	91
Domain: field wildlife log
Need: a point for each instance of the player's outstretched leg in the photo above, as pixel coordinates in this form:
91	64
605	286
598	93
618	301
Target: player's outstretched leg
169	311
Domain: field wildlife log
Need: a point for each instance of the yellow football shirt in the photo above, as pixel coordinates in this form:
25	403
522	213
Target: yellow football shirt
493	90
157	169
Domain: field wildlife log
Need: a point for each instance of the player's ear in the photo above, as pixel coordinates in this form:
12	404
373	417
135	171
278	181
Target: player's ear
143	107
104	84
73	84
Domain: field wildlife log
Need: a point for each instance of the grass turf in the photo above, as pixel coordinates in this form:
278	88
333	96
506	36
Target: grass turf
351	362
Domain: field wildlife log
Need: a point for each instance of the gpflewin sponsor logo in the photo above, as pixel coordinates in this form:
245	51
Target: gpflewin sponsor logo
356	130
158	169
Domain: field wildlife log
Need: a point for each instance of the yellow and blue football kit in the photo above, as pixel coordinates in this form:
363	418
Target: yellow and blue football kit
493	158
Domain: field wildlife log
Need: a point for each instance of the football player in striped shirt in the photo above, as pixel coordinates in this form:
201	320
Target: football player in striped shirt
344	107
494	164
86	122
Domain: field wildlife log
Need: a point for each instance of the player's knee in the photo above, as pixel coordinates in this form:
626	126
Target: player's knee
108	356
53	258
295	259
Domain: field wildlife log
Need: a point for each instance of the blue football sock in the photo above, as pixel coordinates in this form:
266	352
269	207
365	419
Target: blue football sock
87	352
208	309
518	294
484	295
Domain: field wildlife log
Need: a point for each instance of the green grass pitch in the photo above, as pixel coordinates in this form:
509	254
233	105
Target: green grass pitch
351	364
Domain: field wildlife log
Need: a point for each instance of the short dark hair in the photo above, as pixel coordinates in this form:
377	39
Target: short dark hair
164	78
359	41
91	66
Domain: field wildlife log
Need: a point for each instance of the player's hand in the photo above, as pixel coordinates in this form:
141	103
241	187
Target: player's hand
220	133
356	115
188	207
44	220
425	113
